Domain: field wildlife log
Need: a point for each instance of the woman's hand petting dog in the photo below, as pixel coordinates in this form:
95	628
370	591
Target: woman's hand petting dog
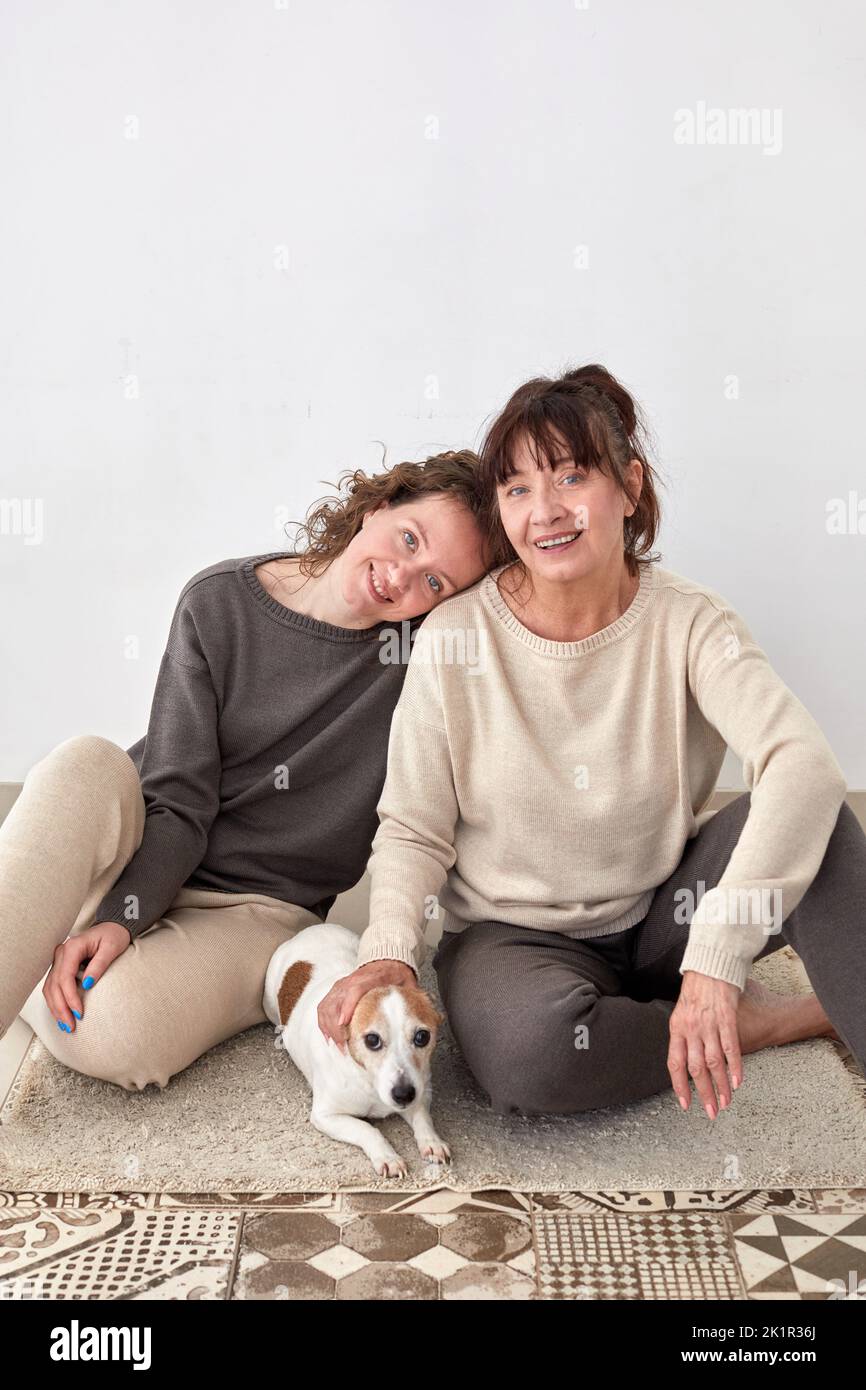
99	945
705	1041
336	1009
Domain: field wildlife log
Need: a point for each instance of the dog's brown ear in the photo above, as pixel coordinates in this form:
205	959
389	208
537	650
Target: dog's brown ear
425	1010
292	986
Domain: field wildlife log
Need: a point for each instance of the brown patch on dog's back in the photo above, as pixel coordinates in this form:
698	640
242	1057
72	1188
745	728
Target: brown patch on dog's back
294	982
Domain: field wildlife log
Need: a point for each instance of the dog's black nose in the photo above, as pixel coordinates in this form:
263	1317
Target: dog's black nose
403	1093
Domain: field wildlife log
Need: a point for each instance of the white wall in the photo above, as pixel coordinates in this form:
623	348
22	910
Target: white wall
409	258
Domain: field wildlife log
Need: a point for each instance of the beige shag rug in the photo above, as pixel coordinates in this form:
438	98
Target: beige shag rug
237	1121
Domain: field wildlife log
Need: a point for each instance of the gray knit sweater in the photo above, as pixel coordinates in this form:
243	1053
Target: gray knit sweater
265	753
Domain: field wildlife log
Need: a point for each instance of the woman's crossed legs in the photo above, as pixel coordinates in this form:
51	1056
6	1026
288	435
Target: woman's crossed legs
193	979
549	1024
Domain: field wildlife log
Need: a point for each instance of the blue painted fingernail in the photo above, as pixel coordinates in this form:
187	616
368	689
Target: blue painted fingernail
77	1014
88	982
64	1026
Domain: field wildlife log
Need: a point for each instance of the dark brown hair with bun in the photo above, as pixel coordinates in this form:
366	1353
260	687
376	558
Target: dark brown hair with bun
602	427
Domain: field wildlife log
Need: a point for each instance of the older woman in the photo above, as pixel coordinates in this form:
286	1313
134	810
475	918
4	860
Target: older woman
599	923
154	885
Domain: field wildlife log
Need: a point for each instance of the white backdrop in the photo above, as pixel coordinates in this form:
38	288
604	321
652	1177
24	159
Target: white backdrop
244	241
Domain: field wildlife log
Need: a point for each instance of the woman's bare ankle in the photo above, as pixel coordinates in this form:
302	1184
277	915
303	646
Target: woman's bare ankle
767	1019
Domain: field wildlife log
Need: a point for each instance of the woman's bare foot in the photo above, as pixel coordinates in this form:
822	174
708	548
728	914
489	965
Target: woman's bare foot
767	1019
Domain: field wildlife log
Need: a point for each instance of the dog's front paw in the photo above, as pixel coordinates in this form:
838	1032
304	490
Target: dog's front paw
391	1166
435	1152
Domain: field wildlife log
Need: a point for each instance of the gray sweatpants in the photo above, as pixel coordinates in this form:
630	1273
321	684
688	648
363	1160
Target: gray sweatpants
515	996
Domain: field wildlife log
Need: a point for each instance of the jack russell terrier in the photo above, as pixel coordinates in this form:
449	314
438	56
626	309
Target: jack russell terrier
386	1065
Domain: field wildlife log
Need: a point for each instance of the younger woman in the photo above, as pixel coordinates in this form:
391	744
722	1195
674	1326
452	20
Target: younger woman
167	876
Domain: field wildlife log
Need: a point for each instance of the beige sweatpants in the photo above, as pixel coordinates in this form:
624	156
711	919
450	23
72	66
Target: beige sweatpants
193	979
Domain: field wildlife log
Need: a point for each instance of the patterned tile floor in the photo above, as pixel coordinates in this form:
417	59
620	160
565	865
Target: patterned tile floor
787	1244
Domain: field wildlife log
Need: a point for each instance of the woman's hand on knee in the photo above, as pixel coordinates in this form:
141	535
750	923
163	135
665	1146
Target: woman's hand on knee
99	945
336	1009
705	1041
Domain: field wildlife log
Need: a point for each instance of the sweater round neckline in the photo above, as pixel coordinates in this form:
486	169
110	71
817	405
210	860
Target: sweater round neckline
612	633
289	617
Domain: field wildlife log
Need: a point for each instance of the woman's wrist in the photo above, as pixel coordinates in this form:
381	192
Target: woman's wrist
388	968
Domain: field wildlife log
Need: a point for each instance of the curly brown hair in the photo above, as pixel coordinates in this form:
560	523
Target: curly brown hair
603	428
332	522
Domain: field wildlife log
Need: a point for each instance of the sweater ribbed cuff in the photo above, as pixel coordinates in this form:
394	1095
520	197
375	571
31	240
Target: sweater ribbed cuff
723	938
707	959
390	946
114	907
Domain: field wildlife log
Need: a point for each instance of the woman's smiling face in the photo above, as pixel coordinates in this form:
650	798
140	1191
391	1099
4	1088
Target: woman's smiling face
564	521
408	558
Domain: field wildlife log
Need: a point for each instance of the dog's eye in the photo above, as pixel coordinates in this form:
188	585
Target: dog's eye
421	1038
373	1041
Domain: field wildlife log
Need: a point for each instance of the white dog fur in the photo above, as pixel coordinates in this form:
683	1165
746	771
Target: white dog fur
386	1065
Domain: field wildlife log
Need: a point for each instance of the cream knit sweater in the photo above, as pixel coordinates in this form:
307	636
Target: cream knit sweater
555	784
